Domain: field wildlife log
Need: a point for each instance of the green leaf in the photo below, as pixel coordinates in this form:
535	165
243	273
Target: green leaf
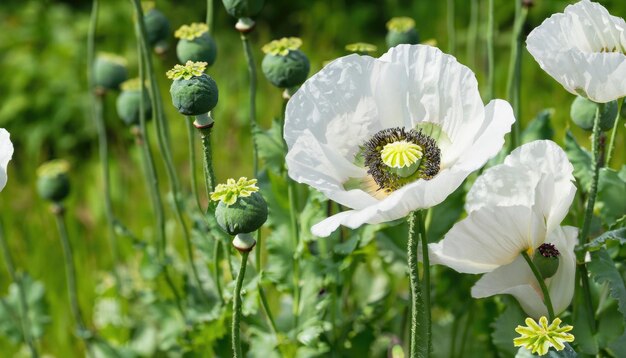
611	200
540	127
271	146
504	329
11	310
618	236
580	159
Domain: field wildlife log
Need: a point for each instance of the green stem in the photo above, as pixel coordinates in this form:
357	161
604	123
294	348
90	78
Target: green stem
266	308
252	73
425	281
163	145
609	152
209	15
70	273
491	70
472	33
236	328
19	281
468	322
416	349
192	162
451	28
515	69
295	234
595	168
209	172
542	285
216	269
584	279
153	183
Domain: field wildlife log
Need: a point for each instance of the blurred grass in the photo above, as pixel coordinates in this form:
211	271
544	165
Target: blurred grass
44	106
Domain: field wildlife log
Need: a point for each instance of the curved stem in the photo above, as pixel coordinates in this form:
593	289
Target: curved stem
192	162
542	285
295	234
236	327
451	28
70	273
609	152
491	70
19	281
252	73
515	69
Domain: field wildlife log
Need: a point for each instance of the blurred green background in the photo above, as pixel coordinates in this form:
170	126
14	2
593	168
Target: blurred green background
44	105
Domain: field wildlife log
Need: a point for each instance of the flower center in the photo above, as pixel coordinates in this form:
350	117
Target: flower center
548	250
396	157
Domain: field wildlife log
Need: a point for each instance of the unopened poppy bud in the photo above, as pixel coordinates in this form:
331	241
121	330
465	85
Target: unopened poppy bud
244	242
109	71
284	64
193	92
157	29
128	102
241	208
195	44
53	183
401	30
546	259
243	8
583	113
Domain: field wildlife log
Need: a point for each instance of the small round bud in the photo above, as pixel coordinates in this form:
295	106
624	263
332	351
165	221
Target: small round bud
53	183
284	65
546	259
128	101
157	29
401	30
195	44
244	242
109	71
583	113
193	92
243	8
241	208
362	48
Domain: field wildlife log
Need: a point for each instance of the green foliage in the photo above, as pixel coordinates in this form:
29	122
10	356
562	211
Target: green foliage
611	200
580	159
11	310
540	127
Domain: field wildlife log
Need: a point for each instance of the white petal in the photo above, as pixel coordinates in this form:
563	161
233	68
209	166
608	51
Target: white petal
489	238
6	153
518	280
568	47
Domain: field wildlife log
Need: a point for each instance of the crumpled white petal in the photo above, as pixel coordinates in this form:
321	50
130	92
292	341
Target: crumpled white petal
518	280
341	107
6	153
584	49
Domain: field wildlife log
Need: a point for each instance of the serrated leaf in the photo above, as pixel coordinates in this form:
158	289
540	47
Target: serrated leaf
504	329
11	310
540	127
611	200
580	159
618	236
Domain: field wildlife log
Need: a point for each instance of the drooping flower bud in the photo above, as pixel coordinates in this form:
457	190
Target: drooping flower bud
362	48
195	44
401	30
128	101
157	29
546	259
284	64
583	113
109	71
243	8
241	208
194	93
53	183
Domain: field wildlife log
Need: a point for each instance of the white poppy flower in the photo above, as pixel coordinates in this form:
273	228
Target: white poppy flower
584	49
6	152
353	132
514	207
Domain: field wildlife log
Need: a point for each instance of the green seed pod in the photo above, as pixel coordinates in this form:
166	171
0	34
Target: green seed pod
193	92
157	28
202	48
53	183
583	113
109	71
286	71
246	215
243	8
401	30
128	101
546	259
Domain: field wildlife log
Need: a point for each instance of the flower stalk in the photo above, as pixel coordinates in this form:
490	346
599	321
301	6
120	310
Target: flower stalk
252	73
236	327
192	163
420	312
295	234
515	71
491	63
609	152
542	285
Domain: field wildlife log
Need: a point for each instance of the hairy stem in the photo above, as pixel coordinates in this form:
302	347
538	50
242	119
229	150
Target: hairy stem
417	346
425	280
295	233
236	328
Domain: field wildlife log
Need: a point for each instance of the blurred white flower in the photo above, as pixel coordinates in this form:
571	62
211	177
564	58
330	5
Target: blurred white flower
515	207
6	153
584	49
390	135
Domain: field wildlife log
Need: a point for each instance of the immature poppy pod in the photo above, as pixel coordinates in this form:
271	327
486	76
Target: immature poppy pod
243	8
53	183
401	30
128	102
241	207
157	28
195	44
110	71
284	64
583	113
194	93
